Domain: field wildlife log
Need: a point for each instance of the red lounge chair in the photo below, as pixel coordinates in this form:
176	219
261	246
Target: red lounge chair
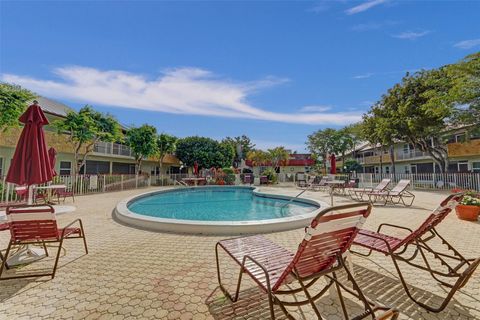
451	261
394	196
37	225
326	240
358	193
3	227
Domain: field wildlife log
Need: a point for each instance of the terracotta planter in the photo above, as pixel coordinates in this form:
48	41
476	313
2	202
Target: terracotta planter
466	212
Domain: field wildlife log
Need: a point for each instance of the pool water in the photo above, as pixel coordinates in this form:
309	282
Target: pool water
217	204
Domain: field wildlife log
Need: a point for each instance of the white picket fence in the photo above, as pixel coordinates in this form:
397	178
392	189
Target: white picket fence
427	181
83	184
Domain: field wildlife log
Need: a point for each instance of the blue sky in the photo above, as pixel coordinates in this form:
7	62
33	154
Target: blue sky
276	71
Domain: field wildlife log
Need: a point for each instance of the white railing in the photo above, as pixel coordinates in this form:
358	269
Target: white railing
110	148
83	184
428	181
410	155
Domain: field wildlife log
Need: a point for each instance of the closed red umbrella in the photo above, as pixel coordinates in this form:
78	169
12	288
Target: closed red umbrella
195	168
31	164
52	156
333	164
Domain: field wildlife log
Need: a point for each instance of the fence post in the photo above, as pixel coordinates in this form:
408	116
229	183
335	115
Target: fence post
104	182
121	182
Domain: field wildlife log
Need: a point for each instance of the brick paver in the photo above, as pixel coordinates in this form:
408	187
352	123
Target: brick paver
139	274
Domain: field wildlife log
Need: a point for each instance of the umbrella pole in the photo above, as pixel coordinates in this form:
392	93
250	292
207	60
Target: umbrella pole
30	195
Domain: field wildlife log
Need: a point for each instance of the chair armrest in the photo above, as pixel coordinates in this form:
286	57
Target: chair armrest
70	224
393	226
378	238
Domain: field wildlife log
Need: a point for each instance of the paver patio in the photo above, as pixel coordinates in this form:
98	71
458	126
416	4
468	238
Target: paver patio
139	274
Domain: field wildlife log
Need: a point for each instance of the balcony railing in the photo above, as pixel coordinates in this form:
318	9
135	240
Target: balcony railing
110	148
412	154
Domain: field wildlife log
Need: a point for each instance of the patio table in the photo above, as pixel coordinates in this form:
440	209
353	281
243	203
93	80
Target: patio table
48	188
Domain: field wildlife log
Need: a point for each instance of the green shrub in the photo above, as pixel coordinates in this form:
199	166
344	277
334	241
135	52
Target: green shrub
271	175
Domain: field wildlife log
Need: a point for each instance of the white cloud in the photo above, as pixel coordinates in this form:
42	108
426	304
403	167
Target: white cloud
373	25
363	76
315	108
411	35
319	7
190	91
364	6
467	44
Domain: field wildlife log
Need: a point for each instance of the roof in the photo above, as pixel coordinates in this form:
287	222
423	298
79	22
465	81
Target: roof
54	107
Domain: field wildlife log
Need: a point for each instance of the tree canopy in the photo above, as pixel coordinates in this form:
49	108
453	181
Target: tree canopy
257	157
86	128
277	156
143	143
206	152
166	144
13	102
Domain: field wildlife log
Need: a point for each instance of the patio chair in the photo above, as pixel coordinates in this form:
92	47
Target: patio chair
318	183
358	193
62	192
3	227
451	260
247	179
320	254
263	180
37	225
393	196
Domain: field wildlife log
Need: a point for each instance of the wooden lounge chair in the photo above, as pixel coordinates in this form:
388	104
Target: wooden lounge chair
358	193
453	265
398	194
37	225
320	254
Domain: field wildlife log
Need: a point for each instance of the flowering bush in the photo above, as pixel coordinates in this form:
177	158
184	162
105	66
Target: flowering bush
471	199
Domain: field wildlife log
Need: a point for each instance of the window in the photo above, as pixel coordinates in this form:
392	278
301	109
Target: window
475	167
460	137
462	166
407	169
413	168
65	168
376	169
406	148
387	169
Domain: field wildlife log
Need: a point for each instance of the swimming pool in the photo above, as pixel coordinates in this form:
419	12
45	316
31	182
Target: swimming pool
217	210
217	204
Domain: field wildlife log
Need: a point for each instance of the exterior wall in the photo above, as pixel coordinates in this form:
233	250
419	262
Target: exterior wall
8	141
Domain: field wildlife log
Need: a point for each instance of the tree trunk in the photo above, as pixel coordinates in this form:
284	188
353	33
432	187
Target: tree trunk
392	160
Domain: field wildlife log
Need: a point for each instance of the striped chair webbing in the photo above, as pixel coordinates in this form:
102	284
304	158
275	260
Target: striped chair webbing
324	240
32	223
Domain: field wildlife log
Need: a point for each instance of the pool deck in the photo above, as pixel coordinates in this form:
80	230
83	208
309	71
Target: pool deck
138	274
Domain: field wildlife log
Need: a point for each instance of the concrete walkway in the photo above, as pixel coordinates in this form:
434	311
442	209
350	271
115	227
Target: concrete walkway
137	274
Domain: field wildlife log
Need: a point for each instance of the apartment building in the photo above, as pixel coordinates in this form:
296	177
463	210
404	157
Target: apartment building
463	154
106	158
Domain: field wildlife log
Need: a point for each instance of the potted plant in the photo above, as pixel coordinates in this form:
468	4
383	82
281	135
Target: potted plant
469	207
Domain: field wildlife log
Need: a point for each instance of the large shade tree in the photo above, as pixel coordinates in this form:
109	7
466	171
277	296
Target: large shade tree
322	143
143	143
13	102
242	146
166	144
257	157
206	152
84	129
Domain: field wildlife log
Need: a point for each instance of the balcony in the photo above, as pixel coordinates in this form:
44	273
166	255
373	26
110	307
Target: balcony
412	154
460	149
112	149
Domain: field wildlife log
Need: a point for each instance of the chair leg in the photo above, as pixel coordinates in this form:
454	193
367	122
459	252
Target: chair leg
83	236
45	248
4	259
309	297
237	292
340	296
57	258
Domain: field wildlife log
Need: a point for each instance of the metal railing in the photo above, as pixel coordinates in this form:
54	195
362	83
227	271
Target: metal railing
410	155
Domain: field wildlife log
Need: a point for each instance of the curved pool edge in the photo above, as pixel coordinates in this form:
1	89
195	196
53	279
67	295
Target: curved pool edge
123	214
